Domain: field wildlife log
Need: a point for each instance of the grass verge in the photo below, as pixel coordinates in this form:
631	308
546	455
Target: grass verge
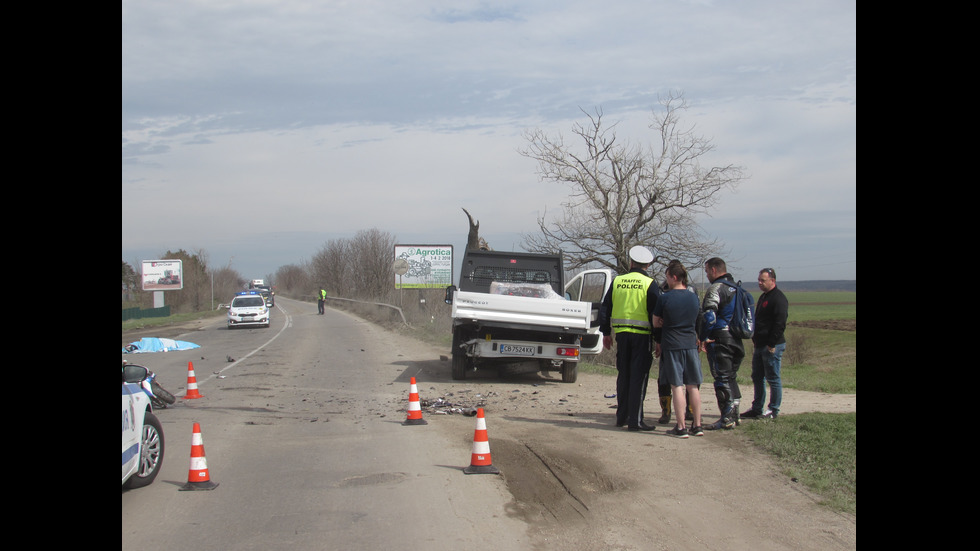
142	323
818	450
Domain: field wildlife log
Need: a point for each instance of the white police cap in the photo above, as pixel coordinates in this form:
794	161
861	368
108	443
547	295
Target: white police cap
641	255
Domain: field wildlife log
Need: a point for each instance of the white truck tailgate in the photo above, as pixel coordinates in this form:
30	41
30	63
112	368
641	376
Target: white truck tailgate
517	309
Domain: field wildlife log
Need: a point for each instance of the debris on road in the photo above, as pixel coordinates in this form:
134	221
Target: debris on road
442	406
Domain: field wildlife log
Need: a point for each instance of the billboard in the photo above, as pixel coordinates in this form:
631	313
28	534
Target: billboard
163	275
420	266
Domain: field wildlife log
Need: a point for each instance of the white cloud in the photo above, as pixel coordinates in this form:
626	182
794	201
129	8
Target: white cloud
343	116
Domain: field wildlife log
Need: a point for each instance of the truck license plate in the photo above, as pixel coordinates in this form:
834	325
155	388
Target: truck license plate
517	350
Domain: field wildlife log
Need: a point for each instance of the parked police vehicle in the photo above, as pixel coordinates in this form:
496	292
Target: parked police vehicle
142	434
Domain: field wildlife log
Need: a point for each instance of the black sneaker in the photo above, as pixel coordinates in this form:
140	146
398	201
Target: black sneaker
752	414
678	432
642	426
726	424
697	431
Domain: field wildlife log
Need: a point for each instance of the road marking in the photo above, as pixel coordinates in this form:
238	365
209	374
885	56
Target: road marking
288	323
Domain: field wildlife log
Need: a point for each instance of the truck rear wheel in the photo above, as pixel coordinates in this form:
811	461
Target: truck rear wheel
569	372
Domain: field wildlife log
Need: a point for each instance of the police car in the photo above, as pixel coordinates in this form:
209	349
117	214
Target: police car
249	308
142	434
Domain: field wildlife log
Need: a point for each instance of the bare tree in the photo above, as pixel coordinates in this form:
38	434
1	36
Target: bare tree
131	283
473	236
330	269
226	281
473	239
360	267
374	254
622	195
291	279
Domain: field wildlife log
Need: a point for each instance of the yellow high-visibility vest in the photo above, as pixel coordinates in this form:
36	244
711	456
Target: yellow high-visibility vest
629	304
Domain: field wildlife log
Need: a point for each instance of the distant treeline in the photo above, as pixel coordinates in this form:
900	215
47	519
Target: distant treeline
819	285
848	285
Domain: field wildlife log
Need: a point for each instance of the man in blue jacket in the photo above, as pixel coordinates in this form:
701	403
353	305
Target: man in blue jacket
724	352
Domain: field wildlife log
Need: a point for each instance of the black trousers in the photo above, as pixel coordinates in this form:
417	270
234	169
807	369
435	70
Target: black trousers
634	356
725	356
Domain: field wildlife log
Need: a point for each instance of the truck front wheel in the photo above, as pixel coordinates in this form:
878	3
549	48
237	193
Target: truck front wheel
460	361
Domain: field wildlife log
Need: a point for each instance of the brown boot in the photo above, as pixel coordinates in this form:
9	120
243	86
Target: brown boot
664	410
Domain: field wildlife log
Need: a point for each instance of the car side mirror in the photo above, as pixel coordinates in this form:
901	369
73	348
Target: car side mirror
134	373
449	294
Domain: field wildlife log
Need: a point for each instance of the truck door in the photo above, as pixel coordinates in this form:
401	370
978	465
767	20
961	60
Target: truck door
591	286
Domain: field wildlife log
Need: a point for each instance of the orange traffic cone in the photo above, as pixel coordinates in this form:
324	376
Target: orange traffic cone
191	383
481	463
198	477
414	407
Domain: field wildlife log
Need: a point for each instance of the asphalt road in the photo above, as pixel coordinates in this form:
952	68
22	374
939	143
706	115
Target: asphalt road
302	430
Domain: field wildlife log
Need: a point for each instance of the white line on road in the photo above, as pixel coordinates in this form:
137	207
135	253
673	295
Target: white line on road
274	337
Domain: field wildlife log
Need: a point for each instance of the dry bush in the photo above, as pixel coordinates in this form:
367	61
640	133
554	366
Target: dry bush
797	348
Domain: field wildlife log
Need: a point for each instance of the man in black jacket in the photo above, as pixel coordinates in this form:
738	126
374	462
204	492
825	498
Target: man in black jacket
769	339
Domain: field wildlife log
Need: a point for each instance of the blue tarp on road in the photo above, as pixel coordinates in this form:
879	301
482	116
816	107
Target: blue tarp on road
154	344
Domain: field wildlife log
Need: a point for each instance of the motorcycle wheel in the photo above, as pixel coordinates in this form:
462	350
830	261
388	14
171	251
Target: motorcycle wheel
162	395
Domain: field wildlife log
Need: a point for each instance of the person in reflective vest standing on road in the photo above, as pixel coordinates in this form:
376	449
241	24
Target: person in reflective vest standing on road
321	296
627	311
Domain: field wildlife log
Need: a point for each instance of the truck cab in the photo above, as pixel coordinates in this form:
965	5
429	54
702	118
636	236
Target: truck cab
591	286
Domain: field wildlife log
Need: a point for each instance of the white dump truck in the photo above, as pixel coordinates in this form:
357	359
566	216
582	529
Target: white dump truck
512	307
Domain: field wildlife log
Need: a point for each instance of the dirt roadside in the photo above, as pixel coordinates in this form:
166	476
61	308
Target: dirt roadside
584	484
581	483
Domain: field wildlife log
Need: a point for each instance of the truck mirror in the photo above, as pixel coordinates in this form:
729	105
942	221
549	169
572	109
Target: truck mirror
449	294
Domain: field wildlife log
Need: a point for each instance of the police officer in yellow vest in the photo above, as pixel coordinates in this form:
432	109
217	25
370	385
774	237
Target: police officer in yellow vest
627	310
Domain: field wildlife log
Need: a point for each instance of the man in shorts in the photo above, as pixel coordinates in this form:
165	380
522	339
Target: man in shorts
676	313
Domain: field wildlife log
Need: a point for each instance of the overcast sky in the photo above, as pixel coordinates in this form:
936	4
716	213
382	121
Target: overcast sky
257	130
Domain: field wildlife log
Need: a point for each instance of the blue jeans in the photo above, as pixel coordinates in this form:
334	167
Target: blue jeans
765	369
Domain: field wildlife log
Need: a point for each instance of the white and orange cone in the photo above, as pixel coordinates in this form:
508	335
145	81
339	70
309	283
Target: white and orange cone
192	391
414	406
481	462
198	477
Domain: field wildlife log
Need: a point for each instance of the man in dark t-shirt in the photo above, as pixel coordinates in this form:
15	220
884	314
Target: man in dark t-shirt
676	313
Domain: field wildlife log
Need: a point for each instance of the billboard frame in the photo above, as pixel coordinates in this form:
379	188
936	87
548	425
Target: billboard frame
424	266
157	275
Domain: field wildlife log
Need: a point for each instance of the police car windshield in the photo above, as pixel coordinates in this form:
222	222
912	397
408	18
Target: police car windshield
249	301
